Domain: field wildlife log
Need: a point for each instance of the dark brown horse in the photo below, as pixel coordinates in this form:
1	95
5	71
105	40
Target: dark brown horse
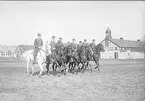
94	54
57	60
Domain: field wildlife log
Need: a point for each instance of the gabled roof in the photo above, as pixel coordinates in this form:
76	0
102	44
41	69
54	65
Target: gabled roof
24	48
128	43
7	48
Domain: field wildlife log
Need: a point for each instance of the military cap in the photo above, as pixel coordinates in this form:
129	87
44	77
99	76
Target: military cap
60	38
39	34
85	39
93	40
74	39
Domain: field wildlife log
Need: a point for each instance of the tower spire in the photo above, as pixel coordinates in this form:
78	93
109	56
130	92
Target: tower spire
108	33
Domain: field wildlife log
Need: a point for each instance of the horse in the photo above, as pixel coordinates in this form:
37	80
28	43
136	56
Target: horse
83	58
95	54
41	59
58	61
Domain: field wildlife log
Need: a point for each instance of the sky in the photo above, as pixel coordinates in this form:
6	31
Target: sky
21	21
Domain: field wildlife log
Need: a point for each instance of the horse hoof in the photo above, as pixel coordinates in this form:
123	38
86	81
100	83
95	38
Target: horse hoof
59	75
48	74
64	74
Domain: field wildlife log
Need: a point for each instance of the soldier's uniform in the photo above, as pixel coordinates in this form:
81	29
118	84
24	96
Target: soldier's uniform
53	46
93	45
59	47
73	46
84	44
37	44
79	45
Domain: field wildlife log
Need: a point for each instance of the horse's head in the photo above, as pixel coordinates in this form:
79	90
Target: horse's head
101	47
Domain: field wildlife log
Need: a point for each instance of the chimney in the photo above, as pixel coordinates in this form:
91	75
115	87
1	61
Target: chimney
121	38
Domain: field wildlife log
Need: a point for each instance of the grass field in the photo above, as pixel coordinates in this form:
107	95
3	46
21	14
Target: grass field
119	80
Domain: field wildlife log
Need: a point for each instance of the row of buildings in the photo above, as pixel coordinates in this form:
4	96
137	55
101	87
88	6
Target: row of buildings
14	51
114	48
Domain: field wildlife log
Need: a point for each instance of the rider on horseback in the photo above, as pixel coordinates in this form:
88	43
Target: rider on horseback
73	46
93	45
38	43
79	45
59	46
53	45
79	48
84	44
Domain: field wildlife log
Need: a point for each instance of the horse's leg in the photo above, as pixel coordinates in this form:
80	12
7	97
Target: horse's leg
64	70
47	67
74	65
32	69
59	67
78	69
69	66
97	64
53	68
41	69
85	66
28	63
82	69
78	66
47	63
90	66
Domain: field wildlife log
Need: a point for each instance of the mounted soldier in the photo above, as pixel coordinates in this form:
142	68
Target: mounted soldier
73	46
53	45
93	45
84	44
79	45
38	43
59	46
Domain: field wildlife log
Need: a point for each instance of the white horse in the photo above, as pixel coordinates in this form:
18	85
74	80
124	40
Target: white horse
41	59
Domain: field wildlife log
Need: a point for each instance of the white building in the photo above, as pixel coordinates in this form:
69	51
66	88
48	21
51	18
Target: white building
7	50
122	49
22	48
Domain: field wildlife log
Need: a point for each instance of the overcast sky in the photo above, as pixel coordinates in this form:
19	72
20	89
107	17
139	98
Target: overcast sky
21	21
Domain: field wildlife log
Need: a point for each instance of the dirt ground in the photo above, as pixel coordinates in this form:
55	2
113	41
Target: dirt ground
119	80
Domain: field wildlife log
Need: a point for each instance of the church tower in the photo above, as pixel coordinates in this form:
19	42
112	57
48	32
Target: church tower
108	33
107	36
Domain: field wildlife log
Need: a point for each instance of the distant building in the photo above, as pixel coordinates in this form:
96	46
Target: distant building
23	48
7	50
122	49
